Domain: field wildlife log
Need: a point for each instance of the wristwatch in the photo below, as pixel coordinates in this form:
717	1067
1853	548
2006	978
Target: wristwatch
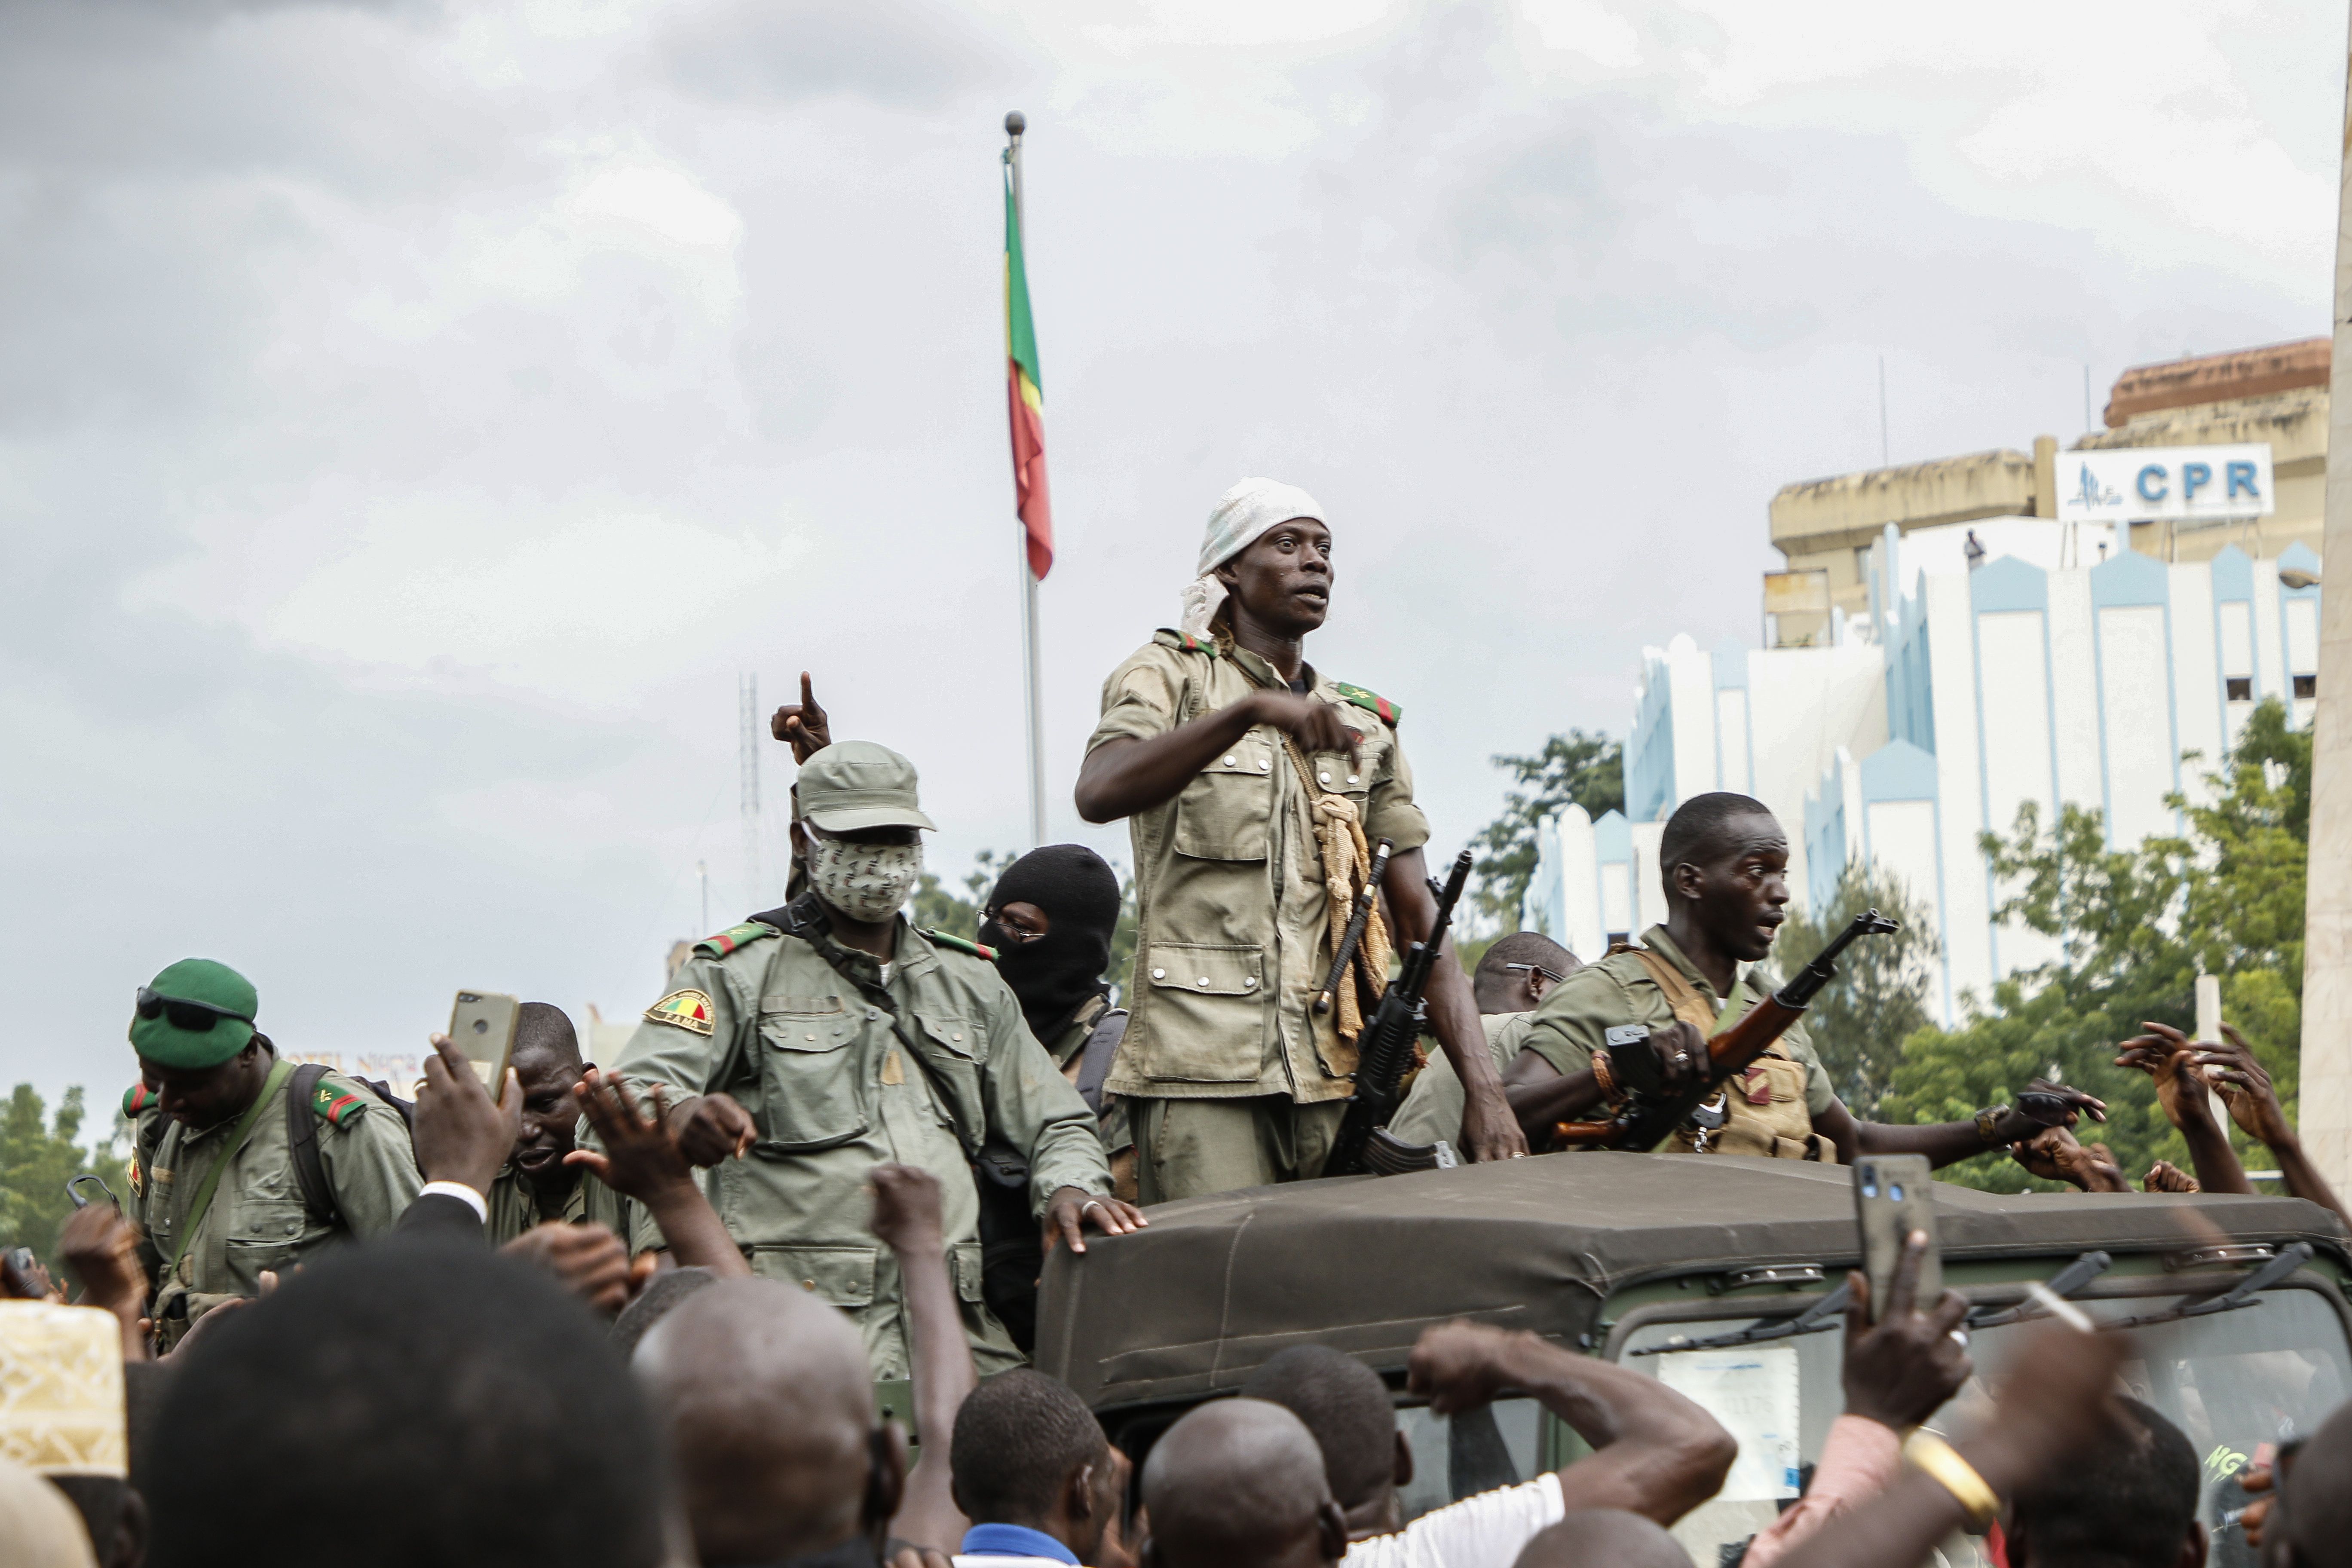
1987	1120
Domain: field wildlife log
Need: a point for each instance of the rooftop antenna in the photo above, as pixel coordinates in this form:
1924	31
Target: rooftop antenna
748	705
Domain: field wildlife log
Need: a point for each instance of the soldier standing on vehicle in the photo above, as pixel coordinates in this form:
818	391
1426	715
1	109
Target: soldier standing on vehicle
214	1181
1254	786
818	1040
1510	982
1725	863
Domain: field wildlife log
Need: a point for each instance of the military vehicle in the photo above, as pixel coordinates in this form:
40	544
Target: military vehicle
1703	1270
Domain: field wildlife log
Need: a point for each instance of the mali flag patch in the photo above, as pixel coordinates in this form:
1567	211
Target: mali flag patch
687	1009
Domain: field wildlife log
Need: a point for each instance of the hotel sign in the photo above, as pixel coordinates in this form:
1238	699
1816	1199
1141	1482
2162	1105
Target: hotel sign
2159	484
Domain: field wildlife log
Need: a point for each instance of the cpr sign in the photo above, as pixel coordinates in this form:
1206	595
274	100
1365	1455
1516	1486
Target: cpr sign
2158	484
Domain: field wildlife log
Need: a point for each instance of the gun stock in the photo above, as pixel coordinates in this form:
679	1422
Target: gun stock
1387	1043
1643	1120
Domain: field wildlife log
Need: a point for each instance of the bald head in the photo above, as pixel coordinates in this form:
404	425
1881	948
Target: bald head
1239	1483
1603	1538
770	1406
1500	988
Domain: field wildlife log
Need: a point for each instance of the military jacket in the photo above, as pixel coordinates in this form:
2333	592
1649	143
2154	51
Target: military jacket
1575	1013
514	1209
1068	1048
257	1219
1433	1109
1233	934
843	1069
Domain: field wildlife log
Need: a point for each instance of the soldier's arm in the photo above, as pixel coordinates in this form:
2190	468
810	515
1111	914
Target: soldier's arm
1551	1079
371	1164
1139	756
684	1043
1490	1130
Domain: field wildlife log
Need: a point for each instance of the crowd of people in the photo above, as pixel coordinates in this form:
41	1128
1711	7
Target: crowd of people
635	1313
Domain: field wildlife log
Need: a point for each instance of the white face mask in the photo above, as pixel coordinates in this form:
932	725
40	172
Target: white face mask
863	881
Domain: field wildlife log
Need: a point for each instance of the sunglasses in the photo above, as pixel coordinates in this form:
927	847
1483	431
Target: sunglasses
195	1017
1540	969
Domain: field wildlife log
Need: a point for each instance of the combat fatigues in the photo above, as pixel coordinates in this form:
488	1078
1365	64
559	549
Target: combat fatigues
842	1070
256	1220
1232	1080
1433	1110
1770	1109
514	1209
1068	1049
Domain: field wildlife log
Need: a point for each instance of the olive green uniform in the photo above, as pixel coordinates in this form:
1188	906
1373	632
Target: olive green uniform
1569	1024
514	1209
1113	1126
256	1220
842	1068
1433	1109
1232	1080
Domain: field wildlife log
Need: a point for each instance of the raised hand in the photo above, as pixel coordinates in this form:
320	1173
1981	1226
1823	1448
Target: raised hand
2055	1155
591	1261
803	725
908	1212
641	1157
100	1248
713	1127
2165	1054
461	1134
2245	1086
2164	1176
1900	1370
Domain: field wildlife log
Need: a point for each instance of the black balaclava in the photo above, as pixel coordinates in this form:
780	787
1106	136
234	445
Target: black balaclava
1055	976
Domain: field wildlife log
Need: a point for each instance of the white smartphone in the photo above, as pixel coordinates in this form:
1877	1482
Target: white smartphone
482	1023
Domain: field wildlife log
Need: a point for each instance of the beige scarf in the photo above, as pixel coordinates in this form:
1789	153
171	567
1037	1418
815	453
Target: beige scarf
1347	863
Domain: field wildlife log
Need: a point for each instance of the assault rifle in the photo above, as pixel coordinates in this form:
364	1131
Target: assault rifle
1651	1107
1385	1050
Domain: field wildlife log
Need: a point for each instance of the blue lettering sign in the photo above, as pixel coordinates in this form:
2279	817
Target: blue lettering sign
2242	478
2193	475
2154	472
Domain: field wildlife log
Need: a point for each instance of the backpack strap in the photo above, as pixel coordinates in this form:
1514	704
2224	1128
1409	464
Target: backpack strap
1093	1060
302	1138
1681	996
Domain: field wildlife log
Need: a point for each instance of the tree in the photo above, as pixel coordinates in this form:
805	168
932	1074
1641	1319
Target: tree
1572	769
37	1157
1879	999
2134	928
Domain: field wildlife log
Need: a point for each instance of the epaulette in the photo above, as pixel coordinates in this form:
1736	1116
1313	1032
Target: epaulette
136	1099
1388	712
733	937
338	1108
1187	642
960	945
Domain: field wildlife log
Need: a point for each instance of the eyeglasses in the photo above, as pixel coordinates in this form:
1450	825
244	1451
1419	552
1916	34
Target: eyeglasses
1551	974
195	1017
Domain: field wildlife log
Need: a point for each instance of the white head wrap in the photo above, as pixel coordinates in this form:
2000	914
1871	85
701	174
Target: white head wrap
1241	515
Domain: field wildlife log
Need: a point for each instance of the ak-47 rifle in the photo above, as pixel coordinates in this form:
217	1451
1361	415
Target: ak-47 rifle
1650	1109
1386	1050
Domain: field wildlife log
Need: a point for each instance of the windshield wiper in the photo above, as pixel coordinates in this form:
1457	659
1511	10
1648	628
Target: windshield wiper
1829	1312
2244	1293
2065	1284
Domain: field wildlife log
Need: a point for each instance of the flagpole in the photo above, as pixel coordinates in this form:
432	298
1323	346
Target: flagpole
1033	688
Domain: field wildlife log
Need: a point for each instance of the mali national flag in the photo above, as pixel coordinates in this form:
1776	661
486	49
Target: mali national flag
1027	402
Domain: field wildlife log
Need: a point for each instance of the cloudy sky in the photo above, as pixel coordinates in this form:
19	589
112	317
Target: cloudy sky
414	419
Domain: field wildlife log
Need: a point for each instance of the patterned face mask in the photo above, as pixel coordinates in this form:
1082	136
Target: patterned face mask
863	881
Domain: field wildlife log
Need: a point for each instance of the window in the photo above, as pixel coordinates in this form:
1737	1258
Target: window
2307	686
2242	688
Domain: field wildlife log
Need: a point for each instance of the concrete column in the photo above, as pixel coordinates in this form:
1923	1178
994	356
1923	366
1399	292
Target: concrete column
2326	1109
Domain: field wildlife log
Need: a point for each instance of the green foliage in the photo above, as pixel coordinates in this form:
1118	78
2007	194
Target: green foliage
38	1156
934	908
1575	768
1860	1020
2132	929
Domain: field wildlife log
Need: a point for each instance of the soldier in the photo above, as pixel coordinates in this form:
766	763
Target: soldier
216	1178
1253	785
1511	980
536	1184
828	1036
1725	864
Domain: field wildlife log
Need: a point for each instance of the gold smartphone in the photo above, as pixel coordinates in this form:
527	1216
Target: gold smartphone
1893	1196
483	1026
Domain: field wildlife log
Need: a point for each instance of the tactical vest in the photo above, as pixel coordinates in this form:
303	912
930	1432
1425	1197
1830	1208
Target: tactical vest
1763	1109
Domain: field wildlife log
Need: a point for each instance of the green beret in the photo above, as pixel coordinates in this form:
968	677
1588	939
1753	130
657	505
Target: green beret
203	1014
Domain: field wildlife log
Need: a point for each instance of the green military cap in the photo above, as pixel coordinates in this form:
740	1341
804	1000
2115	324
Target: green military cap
856	783
196	1014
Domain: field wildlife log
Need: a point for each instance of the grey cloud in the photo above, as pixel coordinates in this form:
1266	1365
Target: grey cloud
907	53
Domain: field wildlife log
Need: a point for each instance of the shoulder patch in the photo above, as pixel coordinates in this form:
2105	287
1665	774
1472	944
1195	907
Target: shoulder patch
733	937
338	1108
1388	712
137	1099
690	1010
960	945
1186	642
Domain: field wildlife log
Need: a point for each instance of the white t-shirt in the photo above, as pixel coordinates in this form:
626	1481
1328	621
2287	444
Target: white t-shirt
1483	1532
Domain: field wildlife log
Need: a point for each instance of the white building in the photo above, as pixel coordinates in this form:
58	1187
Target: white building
2051	667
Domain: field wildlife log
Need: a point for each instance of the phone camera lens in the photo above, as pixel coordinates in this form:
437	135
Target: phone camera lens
1896	1192
481	1026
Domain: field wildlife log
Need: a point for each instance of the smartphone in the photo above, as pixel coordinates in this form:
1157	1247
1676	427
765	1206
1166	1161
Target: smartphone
483	1026
1892	1198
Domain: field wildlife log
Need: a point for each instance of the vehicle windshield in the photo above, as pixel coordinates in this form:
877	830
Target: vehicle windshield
2237	1383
